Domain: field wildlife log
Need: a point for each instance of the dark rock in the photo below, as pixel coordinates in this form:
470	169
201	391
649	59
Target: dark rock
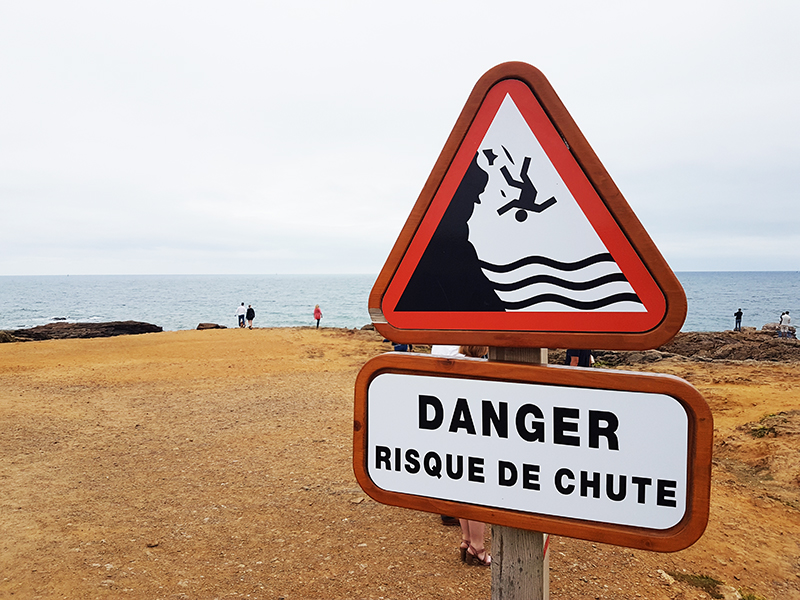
610	358
5	337
704	346
210	326
734	345
368	327
60	330
774	328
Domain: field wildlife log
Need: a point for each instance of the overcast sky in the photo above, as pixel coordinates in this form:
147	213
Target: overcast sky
295	137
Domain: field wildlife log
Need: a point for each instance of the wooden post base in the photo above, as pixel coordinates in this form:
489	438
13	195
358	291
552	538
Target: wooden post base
519	569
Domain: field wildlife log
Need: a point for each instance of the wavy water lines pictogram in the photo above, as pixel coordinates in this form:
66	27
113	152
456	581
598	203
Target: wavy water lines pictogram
547	284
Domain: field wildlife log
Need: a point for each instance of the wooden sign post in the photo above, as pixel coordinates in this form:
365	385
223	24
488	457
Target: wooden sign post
520	561
520	564
521	241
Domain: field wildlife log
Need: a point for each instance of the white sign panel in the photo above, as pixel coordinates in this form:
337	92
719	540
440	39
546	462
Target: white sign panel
617	457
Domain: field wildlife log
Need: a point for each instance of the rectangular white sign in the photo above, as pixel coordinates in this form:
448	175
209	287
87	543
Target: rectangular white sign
610	456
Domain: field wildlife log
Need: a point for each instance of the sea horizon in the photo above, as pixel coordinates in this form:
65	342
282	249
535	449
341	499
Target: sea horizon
182	301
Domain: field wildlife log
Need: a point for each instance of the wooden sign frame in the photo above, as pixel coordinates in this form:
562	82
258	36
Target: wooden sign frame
674	299
700	440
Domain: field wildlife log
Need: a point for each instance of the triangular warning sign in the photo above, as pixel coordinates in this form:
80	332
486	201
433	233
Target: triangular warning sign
520	238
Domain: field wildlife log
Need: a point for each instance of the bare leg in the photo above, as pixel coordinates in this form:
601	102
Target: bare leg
476	535
464	538
476	546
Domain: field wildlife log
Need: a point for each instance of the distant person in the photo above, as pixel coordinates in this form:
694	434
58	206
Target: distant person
473	533
738	325
579	358
317	314
250	315
241	311
784	325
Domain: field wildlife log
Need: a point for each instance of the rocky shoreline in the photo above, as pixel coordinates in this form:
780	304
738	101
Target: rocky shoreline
750	344
61	331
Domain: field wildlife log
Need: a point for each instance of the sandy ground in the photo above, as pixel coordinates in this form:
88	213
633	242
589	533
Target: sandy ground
217	464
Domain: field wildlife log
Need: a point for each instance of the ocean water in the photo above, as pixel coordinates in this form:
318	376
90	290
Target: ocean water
177	302
182	301
713	297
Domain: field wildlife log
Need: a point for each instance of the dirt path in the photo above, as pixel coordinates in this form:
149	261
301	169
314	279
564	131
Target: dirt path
217	464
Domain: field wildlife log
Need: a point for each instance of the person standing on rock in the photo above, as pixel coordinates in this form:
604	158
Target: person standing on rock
738	325
784	325
240	312
250	315
317	314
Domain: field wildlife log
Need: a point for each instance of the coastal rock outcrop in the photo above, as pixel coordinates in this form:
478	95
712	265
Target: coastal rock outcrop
734	345
5	336
748	344
61	330
773	329
202	326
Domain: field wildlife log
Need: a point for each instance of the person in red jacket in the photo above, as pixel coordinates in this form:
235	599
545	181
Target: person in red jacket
317	314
